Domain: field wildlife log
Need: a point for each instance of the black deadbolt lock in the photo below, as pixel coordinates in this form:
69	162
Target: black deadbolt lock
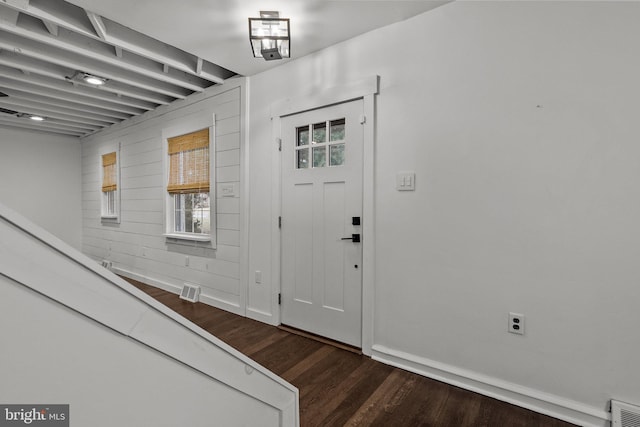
355	220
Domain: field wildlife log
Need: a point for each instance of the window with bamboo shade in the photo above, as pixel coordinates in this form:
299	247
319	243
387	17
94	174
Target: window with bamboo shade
109	172
189	163
109	185
189	183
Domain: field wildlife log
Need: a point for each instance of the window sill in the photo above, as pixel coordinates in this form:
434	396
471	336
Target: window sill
104	219
192	237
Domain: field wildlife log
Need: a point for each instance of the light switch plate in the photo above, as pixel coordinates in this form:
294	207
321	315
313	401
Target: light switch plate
406	181
228	190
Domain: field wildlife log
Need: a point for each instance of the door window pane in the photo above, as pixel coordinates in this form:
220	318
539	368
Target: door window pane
303	158
303	136
319	145
336	157
337	130
319	157
320	133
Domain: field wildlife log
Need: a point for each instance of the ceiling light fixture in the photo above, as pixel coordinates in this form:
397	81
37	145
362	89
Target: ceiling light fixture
269	36
90	79
33	117
93	80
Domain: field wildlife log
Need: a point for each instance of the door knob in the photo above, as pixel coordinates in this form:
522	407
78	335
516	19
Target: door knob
355	238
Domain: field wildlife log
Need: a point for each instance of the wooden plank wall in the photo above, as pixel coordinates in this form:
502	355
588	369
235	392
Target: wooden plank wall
136	245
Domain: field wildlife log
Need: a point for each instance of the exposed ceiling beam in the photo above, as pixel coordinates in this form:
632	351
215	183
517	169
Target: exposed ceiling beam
121	36
54	113
25	63
64	86
9	16
26	124
56	102
47	47
64	124
98	25
68	59
98	54
52	28
66	96
133	41
60	13
48	110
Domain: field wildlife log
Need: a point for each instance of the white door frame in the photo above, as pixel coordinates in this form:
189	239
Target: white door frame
366	90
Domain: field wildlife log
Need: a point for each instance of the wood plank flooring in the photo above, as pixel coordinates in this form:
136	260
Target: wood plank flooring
340	388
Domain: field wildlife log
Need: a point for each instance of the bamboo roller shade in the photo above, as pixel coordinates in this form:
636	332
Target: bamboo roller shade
190	141
189	163
109	174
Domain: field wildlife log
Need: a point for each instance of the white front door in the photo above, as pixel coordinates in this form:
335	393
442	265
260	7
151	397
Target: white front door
321	222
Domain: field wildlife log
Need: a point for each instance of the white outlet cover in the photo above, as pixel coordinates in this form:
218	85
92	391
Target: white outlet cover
516	319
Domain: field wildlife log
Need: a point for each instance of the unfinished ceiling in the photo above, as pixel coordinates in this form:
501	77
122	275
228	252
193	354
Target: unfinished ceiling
47	45
150	53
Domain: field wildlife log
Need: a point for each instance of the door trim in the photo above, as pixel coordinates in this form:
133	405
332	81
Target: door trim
365	89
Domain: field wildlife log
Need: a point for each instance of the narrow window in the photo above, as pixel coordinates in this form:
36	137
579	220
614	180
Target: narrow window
109	185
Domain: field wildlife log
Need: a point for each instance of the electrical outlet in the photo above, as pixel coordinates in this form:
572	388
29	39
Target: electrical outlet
516	323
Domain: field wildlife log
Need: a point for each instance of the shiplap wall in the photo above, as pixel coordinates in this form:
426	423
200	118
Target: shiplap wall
136	245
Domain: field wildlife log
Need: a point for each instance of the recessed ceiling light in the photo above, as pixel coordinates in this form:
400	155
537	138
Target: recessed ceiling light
37	118
94	80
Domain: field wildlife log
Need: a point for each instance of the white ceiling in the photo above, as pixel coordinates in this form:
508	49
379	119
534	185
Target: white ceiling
217	30
152	51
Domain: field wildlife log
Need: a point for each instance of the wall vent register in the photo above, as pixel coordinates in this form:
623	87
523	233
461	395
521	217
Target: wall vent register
624	414
190	292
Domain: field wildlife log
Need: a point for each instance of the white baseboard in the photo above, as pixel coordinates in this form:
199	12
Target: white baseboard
535	400
221	304
174	289
261	316
148	280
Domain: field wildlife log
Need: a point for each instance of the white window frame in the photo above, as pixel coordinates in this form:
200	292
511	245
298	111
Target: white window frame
105	215
190	124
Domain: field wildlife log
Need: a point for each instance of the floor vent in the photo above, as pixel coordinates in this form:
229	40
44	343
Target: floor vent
107	264
190	292
624	414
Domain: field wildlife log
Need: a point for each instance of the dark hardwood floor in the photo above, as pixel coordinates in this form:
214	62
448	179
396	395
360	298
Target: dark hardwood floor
341	388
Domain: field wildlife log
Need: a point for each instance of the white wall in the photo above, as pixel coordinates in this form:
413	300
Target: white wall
40	178
520	120
136	245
